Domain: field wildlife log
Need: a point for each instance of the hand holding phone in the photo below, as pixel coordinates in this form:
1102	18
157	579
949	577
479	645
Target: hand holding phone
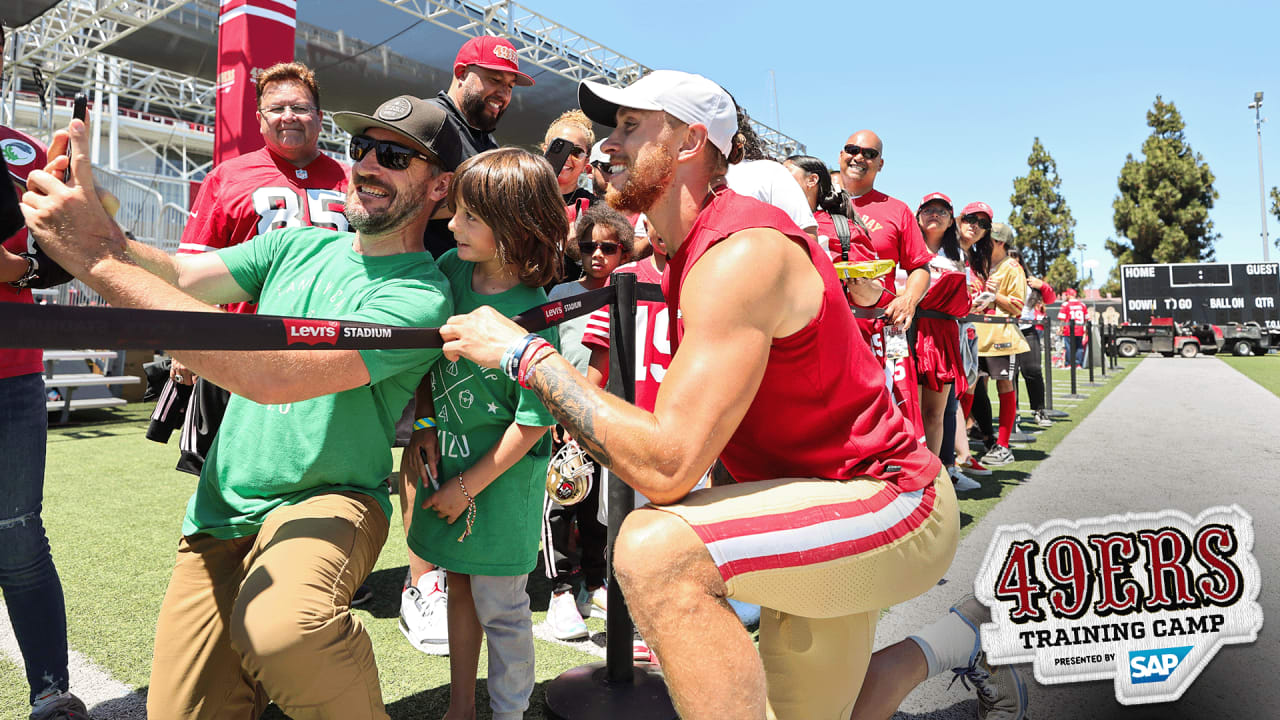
558	154
79	111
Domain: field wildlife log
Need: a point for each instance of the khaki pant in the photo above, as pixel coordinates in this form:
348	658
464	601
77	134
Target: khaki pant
267	618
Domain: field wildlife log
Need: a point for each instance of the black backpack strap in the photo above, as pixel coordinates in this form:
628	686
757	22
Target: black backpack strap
842	231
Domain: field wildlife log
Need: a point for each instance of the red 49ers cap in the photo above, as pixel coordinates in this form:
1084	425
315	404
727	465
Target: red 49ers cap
935	196
22	153
493	53
976	208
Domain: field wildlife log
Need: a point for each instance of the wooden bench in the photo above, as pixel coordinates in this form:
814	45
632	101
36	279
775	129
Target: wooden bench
67	382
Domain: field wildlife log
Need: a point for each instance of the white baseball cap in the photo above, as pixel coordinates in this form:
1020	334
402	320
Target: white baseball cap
691	99
597	154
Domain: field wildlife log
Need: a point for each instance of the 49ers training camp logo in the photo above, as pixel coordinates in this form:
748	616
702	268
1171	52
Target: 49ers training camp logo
1144	598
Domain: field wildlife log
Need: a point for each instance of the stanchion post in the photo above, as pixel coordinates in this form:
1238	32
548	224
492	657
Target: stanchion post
1071	351
1105	349
616	689
1088	335
1047	340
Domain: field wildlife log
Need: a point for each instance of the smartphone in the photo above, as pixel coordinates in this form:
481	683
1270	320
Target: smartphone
79	111
558	154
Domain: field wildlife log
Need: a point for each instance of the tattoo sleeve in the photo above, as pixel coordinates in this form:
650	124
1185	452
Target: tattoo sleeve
569	398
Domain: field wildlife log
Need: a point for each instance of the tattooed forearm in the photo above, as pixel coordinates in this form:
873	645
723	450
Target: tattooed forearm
562	390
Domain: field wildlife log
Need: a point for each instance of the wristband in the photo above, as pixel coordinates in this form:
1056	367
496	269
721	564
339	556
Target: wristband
528	354
423	423
33	271
471	508
535	357
517	350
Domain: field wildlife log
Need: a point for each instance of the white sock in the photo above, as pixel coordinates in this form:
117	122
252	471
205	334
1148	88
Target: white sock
949	642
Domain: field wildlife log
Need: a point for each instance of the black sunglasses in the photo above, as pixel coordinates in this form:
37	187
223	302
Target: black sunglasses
392	156
589	248
981	221
868	153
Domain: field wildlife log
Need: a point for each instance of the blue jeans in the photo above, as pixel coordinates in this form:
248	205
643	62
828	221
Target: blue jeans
28	578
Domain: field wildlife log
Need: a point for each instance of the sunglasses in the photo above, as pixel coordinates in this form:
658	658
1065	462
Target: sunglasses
391	156
589	248
980	220
868	153
601	165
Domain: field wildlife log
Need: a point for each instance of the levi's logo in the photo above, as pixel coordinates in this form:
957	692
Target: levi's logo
553	313
311	332
1149	666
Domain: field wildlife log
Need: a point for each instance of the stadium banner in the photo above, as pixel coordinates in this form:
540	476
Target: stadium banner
252	35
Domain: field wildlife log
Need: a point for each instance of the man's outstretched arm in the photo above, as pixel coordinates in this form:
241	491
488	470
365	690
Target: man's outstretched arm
74	229
712	380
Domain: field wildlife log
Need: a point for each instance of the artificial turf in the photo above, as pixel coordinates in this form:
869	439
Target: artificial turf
1262	369
113	508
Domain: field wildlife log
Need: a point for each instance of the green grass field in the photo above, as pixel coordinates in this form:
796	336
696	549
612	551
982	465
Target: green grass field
114	506
1263	369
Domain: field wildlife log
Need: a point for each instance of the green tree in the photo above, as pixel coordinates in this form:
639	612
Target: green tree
1162	211
1275	210
1042	221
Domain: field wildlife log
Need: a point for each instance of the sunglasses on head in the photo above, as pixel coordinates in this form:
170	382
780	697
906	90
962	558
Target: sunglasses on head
869	153
981	221
390	155
589	248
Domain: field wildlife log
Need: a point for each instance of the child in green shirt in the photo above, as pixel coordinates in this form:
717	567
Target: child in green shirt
479	515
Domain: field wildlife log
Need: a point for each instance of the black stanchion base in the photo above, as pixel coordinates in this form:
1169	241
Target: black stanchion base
1075	396
585	693
1021	437
1056	413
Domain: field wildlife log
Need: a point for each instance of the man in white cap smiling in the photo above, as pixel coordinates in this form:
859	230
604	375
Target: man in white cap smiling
771	376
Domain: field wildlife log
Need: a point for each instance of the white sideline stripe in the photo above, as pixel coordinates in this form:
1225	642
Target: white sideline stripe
90	683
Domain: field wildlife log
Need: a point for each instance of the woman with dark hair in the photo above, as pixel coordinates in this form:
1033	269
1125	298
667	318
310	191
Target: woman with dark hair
975	240
825	200
939	364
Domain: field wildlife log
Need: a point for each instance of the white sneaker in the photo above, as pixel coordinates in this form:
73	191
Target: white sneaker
962	482
424	614
594	603
563	618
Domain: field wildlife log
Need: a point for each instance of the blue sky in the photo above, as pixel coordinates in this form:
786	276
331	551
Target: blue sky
958	91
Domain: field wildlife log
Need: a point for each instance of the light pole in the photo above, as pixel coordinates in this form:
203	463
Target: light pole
1082	247
1256	107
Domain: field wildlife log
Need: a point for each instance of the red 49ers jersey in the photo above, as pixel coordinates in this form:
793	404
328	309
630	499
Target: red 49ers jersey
654	358
259	192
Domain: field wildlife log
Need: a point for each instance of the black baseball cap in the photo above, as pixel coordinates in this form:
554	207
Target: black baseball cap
425	124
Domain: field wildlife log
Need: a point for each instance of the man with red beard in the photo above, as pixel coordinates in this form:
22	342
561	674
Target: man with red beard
771	376
895	236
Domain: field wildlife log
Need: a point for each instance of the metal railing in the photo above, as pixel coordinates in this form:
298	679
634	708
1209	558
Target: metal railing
143	212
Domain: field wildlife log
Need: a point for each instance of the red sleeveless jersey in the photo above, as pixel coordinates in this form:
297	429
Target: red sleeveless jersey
822	409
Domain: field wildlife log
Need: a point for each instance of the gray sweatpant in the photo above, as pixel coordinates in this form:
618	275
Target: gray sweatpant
503	608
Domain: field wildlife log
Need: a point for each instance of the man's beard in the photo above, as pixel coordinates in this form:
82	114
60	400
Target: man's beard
649	176
475	110
363	221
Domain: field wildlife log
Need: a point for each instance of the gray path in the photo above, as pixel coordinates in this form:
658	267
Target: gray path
1176	434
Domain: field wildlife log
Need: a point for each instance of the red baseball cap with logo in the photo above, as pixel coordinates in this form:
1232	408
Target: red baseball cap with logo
493	53
22	153
936	196
976	208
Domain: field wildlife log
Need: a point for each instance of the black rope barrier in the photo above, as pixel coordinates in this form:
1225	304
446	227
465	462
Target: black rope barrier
105	328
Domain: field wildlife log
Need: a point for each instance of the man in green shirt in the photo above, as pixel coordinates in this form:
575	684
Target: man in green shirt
291	509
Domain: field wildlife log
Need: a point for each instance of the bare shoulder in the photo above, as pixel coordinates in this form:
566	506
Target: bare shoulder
758	269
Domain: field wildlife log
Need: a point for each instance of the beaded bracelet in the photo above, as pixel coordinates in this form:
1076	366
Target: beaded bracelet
423	423
535	357
471	509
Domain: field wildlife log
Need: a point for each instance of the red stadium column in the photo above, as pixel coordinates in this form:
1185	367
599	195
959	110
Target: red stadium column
252	35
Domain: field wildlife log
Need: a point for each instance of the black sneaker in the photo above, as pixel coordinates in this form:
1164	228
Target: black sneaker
1001	692
59	706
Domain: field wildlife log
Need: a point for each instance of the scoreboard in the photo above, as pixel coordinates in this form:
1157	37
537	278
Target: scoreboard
1217	293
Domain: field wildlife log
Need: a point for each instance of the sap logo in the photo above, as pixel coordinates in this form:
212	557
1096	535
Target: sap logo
1150	666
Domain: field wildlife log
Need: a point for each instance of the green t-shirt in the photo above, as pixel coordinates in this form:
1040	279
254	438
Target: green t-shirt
266	456
474	407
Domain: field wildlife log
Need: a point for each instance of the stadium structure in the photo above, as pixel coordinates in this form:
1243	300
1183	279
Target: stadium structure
148	68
